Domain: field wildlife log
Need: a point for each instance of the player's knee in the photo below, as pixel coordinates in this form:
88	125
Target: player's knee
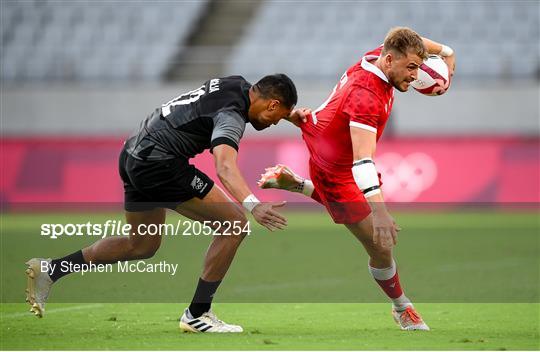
381	254
236	230
245	225
240	224
242	229
239	214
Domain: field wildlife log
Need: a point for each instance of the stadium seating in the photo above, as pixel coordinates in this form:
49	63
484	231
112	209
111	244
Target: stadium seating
107	40
93	40
321	39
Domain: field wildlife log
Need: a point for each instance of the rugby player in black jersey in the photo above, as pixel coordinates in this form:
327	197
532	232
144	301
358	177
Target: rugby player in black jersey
156	172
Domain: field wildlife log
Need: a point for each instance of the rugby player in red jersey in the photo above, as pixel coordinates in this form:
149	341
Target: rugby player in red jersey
341	136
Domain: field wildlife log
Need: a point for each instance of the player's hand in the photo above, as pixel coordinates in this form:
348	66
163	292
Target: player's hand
266	215
299	116
385	229
451	63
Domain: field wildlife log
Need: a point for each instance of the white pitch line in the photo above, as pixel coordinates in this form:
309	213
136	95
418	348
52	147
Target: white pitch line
57	310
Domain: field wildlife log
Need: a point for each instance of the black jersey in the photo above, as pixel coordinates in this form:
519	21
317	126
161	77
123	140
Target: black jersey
213	114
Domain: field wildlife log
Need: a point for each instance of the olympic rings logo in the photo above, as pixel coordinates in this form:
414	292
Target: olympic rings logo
406	177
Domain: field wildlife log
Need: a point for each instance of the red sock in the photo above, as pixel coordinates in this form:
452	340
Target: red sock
388	279
391	287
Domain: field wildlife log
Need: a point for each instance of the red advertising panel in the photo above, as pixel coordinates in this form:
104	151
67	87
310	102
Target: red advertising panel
490	170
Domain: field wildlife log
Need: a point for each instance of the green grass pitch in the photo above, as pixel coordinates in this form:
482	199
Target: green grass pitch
474	277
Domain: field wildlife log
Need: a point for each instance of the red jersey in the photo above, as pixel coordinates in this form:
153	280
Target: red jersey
362	98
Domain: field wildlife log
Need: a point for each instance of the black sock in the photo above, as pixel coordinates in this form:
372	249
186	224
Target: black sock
58	272
202	299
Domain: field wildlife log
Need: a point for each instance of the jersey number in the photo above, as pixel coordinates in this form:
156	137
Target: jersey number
184	99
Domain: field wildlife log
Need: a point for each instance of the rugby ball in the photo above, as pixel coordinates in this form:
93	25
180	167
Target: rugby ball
433	77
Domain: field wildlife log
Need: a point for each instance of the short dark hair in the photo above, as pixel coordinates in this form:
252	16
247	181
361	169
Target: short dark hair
278	86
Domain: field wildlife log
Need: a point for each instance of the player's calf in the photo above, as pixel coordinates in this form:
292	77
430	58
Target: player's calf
138	250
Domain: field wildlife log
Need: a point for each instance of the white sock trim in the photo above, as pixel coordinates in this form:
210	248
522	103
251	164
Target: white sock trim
383	273
401	303
308	188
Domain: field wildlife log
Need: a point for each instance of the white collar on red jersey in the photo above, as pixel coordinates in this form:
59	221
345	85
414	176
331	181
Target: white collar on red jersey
368	66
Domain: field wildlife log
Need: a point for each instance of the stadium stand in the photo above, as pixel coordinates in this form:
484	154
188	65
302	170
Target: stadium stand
324	38
126	49
87	41
217	32
108	41
61	136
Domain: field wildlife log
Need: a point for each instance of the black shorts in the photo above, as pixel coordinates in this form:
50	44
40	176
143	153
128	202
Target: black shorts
160	184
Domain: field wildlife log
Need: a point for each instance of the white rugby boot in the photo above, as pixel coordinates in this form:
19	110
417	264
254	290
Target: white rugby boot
208	322
409	319
281	177
38	286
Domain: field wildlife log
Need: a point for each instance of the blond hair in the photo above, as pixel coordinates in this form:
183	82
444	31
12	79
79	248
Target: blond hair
401	40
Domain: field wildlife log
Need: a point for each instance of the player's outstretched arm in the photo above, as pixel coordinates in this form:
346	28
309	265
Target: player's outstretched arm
445	51
366	177
230	176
